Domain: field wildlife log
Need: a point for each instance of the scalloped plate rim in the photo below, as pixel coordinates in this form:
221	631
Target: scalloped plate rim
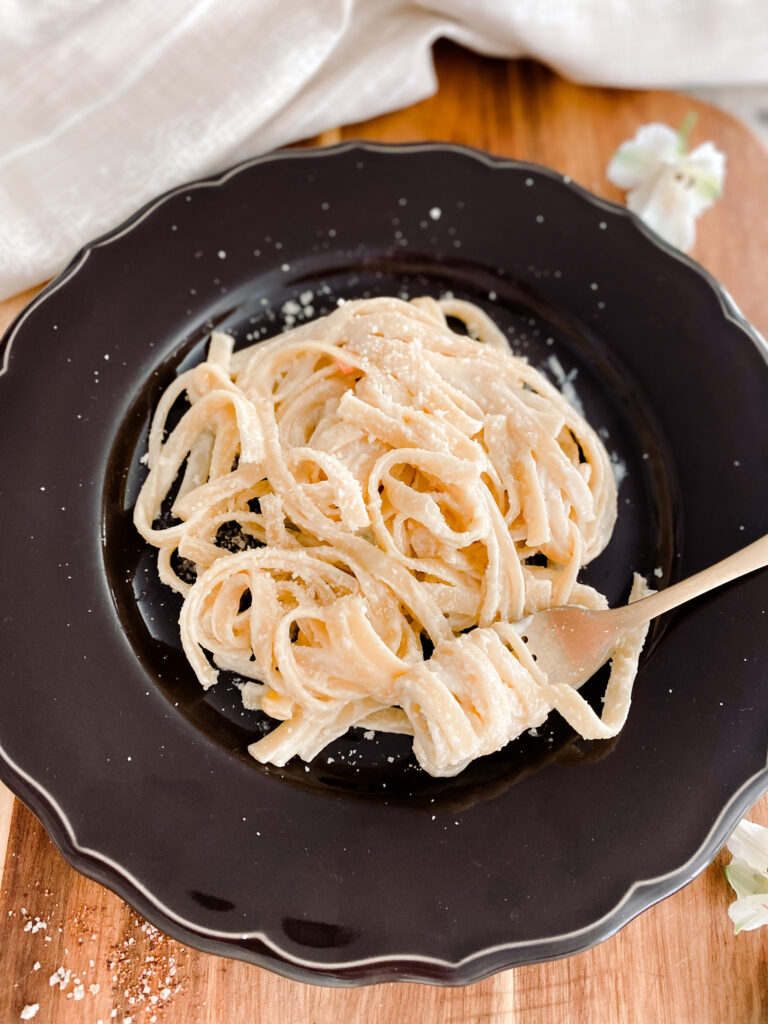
469	969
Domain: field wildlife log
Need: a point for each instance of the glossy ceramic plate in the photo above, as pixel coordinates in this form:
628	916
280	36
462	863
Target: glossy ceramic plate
359	867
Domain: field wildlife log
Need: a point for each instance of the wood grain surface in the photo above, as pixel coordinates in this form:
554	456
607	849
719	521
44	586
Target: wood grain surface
678	962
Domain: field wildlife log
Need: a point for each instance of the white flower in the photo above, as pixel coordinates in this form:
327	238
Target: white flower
748	875
668	187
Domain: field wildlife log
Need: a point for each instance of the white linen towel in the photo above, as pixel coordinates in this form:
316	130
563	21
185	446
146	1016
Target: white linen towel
106	104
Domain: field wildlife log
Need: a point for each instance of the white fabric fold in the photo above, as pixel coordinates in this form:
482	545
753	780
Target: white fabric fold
107	104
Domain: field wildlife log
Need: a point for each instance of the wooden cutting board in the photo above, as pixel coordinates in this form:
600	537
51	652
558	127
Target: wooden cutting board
679	962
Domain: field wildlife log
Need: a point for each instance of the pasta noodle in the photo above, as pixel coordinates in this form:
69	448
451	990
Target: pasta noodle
362	489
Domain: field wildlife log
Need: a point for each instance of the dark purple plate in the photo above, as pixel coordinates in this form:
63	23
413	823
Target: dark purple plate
362	868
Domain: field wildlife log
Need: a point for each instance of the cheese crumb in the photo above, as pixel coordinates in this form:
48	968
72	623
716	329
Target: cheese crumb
29	1011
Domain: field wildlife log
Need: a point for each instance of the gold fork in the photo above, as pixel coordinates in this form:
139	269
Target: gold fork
570	643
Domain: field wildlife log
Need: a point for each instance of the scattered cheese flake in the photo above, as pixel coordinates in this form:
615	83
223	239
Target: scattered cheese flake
564	382
29	1011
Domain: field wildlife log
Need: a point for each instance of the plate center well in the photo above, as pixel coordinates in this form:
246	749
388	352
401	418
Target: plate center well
574	358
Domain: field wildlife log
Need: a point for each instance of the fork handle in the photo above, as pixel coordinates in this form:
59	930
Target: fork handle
754	556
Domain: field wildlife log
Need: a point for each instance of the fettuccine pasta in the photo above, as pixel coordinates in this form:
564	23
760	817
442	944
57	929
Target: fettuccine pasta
369	501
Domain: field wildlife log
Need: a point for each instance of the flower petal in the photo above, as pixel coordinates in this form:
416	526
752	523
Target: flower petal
749	843
744	879
667	206
704	170
707	155
640	158
749	913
